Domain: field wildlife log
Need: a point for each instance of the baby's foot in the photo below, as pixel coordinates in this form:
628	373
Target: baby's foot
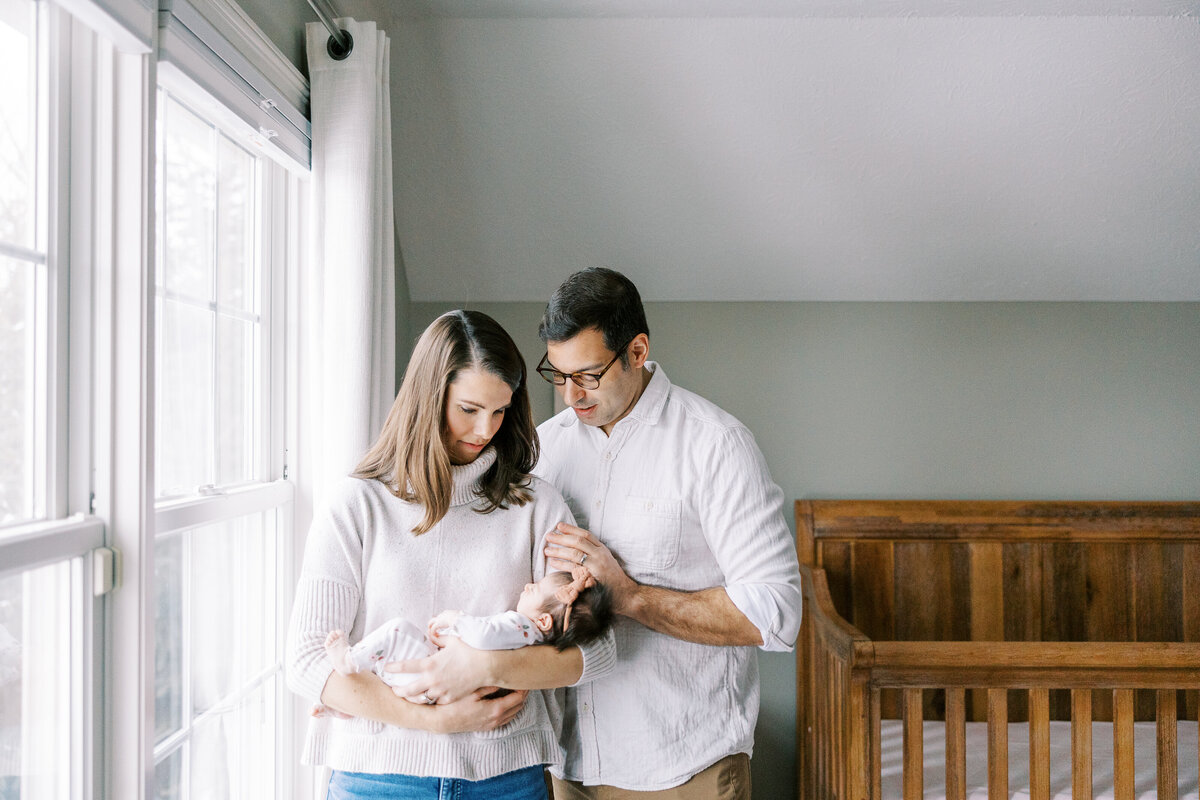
336	647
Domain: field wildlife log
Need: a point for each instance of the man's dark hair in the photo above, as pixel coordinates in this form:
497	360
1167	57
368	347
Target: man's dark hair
591	616
599	298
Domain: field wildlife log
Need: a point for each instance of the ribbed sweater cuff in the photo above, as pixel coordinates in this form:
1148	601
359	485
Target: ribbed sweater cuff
599	658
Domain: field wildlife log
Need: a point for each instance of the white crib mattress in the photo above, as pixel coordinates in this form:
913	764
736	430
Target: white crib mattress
1145	760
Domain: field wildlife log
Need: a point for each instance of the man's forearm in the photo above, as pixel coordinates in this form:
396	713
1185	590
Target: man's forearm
535	667
704	617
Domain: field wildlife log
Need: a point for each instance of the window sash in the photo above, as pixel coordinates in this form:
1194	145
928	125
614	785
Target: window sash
39	543
222	505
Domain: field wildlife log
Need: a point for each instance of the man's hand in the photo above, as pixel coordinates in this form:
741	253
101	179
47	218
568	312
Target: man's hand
569	546
707	616
447	676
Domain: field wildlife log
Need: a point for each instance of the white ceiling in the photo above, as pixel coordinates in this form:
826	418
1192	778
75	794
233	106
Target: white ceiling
817	150
545	9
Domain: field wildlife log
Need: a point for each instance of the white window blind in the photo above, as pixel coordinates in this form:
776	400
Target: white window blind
214	47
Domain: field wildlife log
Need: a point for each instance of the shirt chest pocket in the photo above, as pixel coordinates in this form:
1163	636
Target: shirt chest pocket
648	532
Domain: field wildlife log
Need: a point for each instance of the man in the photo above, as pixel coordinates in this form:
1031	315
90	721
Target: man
679	517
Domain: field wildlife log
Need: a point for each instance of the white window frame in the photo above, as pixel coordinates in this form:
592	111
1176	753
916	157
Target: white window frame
67	530
98	355
283	190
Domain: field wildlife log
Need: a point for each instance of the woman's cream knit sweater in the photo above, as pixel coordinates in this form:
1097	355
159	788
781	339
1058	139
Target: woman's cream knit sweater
363	565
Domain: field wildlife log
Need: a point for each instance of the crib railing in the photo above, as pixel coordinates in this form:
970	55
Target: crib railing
850	672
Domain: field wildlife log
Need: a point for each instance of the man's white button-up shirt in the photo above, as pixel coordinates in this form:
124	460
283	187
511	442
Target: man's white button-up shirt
681	495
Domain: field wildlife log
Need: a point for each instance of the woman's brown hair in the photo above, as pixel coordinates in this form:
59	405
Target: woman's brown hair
410	455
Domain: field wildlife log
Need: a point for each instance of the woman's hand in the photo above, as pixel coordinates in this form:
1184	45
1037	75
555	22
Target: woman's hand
476	712
365	695
447	676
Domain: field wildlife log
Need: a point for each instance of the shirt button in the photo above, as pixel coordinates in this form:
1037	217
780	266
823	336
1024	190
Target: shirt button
586	708
608	456
599	503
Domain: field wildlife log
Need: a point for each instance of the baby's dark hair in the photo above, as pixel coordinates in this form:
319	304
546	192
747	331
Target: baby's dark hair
591	615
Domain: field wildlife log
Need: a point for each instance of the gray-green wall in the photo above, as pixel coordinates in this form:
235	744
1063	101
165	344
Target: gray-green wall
928	400
283	24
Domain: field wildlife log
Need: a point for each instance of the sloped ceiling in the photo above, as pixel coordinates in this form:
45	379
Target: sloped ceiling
815	150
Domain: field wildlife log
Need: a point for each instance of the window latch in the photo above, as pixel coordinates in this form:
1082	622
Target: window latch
106	570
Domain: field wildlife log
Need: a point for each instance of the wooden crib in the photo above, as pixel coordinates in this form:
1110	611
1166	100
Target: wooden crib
949	615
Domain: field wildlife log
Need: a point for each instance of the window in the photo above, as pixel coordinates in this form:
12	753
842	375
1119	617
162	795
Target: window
47	604
160	445
223	518
23	210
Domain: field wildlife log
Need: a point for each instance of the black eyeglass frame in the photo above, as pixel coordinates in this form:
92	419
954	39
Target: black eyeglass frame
558	378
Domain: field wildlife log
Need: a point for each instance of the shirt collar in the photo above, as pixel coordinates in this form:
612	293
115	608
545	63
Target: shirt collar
649	407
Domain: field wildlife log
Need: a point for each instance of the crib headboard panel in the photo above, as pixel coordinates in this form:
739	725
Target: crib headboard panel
1013	571
949	570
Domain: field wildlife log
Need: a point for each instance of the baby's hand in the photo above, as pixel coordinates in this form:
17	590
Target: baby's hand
444	620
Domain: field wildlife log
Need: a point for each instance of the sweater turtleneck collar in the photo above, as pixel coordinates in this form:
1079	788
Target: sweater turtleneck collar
466	477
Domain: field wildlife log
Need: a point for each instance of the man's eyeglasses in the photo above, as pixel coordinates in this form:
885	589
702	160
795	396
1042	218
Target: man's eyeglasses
584	380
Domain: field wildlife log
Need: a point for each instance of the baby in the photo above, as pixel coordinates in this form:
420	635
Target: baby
562	609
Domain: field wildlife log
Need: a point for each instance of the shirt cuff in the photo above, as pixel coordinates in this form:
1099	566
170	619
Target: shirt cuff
760	605
599	658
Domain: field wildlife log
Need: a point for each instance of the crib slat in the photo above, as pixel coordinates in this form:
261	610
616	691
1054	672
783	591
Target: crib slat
826	725
914	745
1081	744
1168	755
839	732
876	747
860	722
997	744
1123	744
1039	744
956	745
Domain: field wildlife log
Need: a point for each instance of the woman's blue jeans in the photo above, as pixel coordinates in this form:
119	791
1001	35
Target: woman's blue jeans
522	784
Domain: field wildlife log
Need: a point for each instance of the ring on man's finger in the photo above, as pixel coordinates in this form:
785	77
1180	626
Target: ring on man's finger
426	699
582	559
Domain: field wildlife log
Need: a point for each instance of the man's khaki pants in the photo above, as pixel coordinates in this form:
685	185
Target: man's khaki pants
728	779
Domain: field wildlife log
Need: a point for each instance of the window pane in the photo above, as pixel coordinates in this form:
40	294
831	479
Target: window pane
217	664
185	398
18	117
235	227
36	662
209	331
237	345
168	635
189	179
168	777
16	389
233	753
233	581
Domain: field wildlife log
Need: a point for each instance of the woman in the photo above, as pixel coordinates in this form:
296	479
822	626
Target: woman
441	513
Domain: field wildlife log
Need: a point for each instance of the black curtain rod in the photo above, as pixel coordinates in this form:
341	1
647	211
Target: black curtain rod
341	43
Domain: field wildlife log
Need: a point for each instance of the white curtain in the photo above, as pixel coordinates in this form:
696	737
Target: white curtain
348	364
